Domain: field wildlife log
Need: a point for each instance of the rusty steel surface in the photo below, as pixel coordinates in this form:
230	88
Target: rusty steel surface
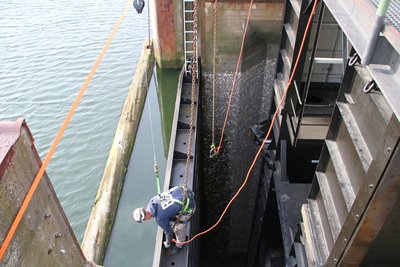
376	216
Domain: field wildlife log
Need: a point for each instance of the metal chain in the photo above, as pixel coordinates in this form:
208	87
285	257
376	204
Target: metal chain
213	151
194	75
148	20
214	78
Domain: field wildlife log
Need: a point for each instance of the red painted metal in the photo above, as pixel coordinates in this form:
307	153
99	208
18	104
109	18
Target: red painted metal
166	29
10	131
9	134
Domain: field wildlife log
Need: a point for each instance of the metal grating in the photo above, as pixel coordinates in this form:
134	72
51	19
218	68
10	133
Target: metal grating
393	14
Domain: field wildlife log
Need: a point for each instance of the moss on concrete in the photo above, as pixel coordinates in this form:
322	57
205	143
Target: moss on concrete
174	62
264	28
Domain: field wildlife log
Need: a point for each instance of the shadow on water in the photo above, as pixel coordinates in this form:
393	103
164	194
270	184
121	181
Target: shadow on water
132	244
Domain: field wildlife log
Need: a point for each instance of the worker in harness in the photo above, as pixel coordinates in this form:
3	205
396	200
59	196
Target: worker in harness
167	208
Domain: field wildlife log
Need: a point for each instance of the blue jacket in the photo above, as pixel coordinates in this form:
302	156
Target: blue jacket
166	206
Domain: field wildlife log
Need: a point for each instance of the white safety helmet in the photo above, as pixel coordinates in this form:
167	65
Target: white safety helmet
139	214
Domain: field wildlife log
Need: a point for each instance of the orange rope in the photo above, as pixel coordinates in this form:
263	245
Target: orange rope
268	134
235	77
60	133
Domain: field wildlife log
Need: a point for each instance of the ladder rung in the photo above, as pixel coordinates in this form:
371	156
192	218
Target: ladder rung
189	32
327	60
189	21
189	42
189	11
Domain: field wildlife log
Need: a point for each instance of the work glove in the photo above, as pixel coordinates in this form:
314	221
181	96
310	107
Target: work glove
167	244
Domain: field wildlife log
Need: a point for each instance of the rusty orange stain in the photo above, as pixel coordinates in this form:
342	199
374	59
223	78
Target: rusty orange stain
166	28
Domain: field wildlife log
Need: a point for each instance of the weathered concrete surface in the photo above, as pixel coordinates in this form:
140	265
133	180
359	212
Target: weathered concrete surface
101	220
44	236
251	103
264	27
167	18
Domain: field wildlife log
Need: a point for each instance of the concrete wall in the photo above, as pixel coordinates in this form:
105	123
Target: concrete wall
101	220
264	27
44	236
251	103
167	26
222	176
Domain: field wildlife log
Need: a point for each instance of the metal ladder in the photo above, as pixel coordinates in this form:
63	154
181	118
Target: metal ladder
305	121
188	23
293	29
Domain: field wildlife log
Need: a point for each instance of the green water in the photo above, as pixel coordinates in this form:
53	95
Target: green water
132	244
47	49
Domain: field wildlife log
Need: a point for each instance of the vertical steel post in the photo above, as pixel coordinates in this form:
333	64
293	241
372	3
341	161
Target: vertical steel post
376	29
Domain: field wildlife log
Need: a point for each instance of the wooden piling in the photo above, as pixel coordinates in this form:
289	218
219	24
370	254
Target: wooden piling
102	218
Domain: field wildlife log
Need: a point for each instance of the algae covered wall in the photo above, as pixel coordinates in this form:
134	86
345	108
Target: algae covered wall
222	176
44	236
264	28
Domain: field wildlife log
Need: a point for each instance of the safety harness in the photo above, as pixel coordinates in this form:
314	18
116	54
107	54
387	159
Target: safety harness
185	207
186	210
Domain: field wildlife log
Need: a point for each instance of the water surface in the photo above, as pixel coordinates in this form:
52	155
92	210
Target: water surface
46	51
132	244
